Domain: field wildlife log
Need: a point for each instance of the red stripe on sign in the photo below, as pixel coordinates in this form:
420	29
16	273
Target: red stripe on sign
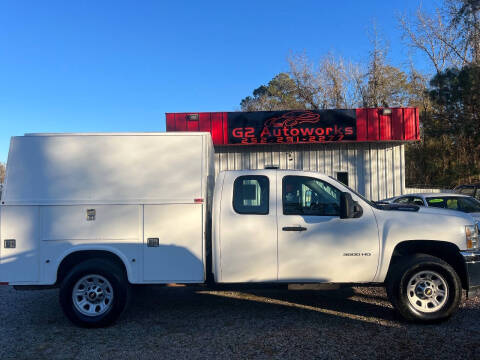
397	124
170	123
372	125
225	127
205	124
385	127
417	124
409	120
361	124
180	122
198	201
217	128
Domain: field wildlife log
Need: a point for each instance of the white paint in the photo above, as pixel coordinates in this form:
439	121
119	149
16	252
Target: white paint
248	243
120	168
69	222
426	224
180	255
21	264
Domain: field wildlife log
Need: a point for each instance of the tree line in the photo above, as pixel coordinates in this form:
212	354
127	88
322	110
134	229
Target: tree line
448	95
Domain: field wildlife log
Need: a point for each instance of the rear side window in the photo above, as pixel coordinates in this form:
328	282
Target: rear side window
251	195
467	190
403	200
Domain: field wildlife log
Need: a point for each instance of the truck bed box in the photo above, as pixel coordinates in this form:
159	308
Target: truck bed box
68	191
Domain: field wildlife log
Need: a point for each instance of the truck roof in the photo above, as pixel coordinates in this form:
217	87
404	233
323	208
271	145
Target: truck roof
106	168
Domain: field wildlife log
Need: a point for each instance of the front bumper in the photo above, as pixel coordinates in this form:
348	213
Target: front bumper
472	267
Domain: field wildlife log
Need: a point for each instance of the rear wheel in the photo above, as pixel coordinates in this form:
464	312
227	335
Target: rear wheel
94	293
424	289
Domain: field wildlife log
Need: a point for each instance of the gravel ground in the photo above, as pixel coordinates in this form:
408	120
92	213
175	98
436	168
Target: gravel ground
187	323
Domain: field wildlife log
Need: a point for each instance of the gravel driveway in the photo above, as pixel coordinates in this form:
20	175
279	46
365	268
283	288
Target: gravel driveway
186	323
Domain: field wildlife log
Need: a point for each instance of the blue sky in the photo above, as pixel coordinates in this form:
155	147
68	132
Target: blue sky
87	66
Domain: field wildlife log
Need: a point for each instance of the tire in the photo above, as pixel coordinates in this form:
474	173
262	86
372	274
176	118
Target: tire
424	288
102	293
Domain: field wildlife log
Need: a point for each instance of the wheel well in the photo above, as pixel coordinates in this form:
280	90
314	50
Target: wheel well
448	252
79	256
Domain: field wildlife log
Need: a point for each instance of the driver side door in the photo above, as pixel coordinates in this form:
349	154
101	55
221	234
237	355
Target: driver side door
314	244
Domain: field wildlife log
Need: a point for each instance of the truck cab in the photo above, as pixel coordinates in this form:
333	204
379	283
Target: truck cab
286	226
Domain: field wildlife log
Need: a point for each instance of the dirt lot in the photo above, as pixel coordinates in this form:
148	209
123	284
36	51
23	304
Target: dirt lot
186	323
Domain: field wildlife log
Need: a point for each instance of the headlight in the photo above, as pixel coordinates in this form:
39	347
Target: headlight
471	234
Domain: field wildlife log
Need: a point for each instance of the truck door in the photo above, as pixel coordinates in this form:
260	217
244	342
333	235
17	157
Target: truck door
248	227
314	244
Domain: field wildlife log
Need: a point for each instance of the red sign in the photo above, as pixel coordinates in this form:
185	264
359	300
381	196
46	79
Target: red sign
291	127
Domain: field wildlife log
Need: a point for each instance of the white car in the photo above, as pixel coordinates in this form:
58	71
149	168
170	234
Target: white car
450	201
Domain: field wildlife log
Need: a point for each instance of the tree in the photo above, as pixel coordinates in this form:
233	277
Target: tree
449	153
279	94
465	21
336	83
330	84
450	37
383	85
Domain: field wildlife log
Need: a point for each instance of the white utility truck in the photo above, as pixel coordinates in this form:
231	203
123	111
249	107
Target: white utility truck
94	213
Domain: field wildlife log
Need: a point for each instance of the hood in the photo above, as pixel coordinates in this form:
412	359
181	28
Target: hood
423	223
470	217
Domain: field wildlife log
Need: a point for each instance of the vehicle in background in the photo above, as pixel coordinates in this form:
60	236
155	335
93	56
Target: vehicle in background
450	201
472	190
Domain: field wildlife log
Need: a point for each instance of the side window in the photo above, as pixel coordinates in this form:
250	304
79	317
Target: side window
467	190
452	203
417	201
250	194
403	200
477	193
303	195
436	202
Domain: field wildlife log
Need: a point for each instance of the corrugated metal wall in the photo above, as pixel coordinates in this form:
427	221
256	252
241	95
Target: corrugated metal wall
375	170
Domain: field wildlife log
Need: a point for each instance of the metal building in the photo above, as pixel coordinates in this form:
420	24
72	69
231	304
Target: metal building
364	148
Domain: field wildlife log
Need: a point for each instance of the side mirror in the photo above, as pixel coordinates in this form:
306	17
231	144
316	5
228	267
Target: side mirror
349	208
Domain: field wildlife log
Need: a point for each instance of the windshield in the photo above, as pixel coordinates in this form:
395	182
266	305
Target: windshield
465	204
371	203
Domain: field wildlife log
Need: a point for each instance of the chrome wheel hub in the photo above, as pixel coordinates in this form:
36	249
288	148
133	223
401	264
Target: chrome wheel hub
427	291
92	295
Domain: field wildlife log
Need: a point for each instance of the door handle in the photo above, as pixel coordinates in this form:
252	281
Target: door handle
294	228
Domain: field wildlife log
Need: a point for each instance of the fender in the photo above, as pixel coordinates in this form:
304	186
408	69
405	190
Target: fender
51	275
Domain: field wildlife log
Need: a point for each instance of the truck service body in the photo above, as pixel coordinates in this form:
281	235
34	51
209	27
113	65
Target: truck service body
93	213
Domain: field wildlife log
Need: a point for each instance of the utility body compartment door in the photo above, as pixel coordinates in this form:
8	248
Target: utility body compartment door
173	243
314	244
247	235
20	264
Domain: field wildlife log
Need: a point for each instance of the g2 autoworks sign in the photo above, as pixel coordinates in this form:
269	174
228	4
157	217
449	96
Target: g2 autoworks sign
290	127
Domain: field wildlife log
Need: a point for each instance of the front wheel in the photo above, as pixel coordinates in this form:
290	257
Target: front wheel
424	289
94	293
